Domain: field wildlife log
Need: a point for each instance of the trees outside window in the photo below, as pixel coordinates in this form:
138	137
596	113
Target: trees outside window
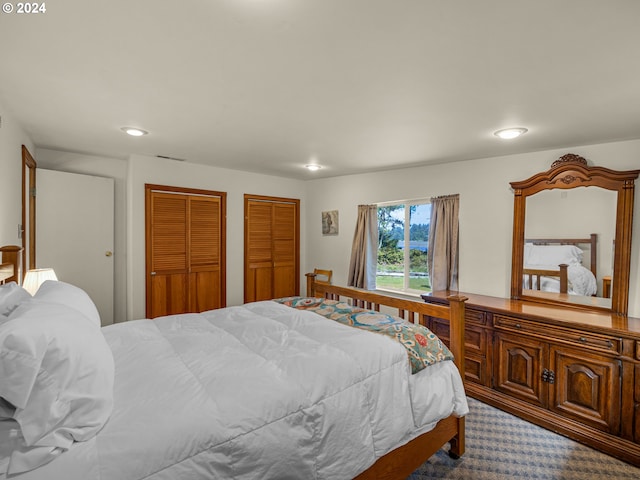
403	239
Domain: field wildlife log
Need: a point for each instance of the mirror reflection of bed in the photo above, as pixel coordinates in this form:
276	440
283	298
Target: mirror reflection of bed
569	265
565	268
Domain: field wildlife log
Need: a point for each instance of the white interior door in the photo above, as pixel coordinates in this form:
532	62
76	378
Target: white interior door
74	233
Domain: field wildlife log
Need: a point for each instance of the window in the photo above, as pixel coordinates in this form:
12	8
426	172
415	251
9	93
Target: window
403	239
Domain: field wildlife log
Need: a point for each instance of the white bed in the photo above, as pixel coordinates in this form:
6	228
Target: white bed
255	391
581	280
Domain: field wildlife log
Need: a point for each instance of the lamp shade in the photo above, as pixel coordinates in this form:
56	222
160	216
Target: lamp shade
34	278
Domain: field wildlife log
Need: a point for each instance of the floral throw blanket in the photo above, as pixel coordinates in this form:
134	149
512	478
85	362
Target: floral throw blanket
423	347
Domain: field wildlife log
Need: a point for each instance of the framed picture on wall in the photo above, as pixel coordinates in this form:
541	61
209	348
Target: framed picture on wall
330	222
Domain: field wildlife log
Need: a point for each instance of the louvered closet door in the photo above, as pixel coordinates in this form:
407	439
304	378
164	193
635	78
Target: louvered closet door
185	251
271	248
169	266
284	250
205	254
258	252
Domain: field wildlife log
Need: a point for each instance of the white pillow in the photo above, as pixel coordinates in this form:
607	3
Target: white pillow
57	370
66	294
552	255
11	295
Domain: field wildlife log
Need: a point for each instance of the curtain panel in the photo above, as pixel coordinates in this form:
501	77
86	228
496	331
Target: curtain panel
442	255
364	251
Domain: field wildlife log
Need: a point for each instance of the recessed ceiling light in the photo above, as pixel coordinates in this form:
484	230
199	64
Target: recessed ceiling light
509	133
134	132
313	167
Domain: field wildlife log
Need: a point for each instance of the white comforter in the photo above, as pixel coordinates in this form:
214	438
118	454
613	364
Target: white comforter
256	392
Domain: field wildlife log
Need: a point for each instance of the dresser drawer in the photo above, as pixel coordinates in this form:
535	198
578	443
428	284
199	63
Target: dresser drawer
591	341
475	369
475	316
475	338
637	349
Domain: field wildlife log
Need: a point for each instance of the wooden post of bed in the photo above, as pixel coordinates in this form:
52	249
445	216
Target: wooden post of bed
401	462
311	277
456	326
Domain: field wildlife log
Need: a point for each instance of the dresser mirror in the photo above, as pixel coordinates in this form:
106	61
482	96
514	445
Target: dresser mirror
572	236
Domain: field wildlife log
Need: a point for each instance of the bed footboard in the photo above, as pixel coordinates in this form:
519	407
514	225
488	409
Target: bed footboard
413	311
532	277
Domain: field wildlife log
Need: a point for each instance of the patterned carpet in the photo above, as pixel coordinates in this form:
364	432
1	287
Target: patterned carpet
500	446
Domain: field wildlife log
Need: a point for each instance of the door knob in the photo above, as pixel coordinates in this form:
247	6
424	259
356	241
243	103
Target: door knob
108	253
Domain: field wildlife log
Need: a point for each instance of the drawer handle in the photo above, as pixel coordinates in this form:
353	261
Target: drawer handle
609	343
518	326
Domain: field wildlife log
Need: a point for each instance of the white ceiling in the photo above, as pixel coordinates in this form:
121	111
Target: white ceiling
358	85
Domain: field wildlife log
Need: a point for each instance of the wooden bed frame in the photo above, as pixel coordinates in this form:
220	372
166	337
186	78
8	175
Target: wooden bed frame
532	274
401	462
532	277
10	264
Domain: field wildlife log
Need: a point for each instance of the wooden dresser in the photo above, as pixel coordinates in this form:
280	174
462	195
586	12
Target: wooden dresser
572	371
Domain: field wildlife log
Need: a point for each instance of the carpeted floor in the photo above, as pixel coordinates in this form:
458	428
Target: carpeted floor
500	446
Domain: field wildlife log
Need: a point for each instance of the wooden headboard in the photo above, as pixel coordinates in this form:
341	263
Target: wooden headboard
10	264
592	241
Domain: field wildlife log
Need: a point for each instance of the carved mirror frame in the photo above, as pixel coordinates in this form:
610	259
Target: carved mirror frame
572	171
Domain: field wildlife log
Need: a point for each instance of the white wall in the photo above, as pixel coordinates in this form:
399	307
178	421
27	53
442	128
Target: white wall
160	171
12	137
486	210
103	167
